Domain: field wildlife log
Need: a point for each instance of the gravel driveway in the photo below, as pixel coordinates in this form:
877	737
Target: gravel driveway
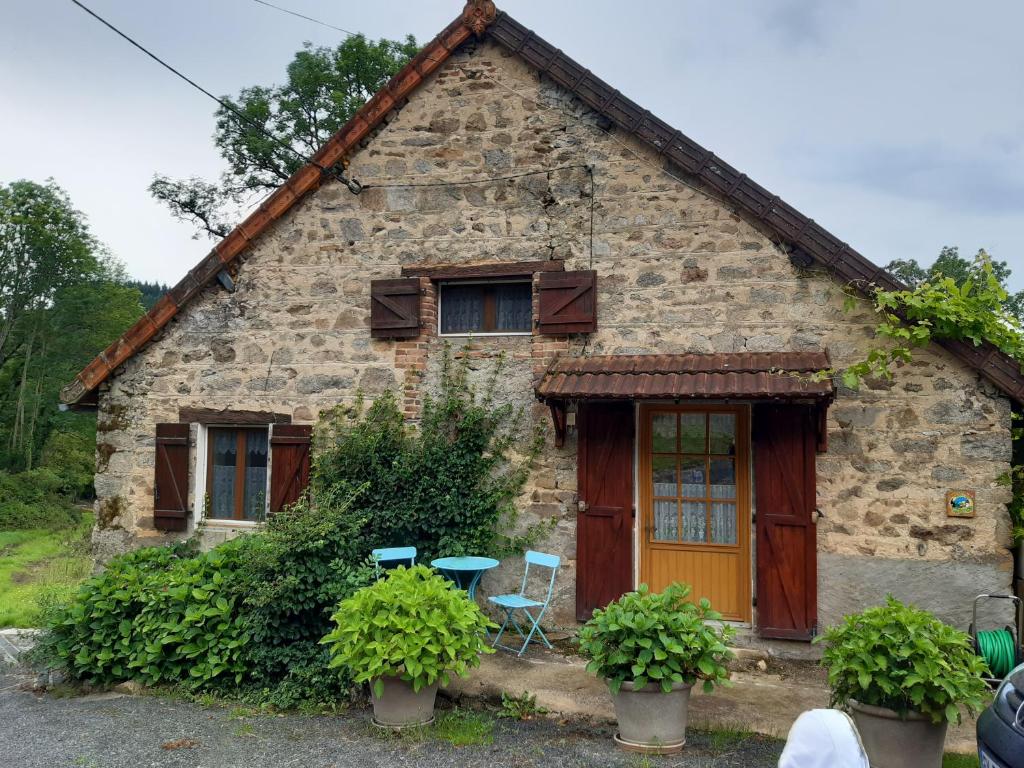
117	731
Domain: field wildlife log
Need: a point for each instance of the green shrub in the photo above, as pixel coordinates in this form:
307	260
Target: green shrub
413	624
158	615
904	659
35	499
655	637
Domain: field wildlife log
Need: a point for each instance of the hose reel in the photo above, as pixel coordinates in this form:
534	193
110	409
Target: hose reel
1000	648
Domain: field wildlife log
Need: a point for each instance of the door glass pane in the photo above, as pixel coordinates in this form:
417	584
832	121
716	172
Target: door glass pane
255	474
695	521
723	479
223	443
666	521
691	430
694	478
723	523
723	433
663	433
665	481
462	308
513	306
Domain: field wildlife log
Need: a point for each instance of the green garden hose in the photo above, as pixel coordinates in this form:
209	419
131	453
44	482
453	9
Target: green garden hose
997	648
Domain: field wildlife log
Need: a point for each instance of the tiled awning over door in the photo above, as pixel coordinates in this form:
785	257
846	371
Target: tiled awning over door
747	375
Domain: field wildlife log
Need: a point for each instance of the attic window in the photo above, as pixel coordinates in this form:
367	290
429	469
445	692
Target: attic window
490	307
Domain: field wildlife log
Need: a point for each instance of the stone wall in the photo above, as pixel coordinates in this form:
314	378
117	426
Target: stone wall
678	271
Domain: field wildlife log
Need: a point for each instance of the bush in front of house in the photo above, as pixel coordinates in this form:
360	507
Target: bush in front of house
35	499
657	637
414	625
902	658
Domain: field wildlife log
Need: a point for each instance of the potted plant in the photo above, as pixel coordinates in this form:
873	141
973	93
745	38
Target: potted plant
651	648
903	675
404	634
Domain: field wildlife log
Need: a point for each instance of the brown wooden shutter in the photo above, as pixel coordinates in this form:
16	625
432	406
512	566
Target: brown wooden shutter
567	302
289	464
785	437
170	485
395	308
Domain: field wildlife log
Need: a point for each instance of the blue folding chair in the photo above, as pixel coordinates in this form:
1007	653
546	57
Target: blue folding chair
394	556
520	602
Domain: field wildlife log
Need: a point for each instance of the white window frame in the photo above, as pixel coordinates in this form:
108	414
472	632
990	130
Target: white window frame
199	478
477	334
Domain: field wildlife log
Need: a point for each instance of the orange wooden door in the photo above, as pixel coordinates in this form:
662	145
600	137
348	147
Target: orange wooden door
694	478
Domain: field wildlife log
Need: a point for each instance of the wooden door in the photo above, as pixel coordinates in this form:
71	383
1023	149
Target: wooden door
604	527
787	571
695	503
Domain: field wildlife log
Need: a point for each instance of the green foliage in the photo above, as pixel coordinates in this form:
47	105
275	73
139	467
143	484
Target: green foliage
660	638
464	728
904	659
450	486
324	88
412	624
522	707
33	500
149	293
158	615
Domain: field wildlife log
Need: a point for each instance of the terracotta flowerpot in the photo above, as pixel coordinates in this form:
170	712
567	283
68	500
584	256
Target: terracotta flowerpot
650	720
892	741
400	707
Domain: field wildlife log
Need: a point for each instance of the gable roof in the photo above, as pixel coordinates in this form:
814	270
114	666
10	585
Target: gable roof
810	243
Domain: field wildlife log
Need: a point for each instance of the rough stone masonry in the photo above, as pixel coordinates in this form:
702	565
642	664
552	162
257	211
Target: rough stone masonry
677	272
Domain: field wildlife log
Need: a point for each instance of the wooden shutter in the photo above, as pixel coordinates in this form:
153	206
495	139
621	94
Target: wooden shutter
170	484
395	308
567	302
604	526
289	464
785	437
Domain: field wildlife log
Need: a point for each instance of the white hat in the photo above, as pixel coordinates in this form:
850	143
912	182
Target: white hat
823	738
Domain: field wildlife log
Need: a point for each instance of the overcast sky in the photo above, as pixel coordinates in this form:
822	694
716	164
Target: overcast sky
897	124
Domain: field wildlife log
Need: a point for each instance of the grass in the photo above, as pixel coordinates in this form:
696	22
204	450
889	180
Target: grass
960	761
40	565
458	727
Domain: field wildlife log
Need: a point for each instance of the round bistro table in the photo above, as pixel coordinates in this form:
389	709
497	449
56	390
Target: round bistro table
465	571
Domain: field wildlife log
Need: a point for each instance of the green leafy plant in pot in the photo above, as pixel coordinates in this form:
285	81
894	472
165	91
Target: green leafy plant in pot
904	675
404	634
651	648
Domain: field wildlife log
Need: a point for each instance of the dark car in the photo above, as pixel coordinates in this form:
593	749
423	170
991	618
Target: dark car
1001	726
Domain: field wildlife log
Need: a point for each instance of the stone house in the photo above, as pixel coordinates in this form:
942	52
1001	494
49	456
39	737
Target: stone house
659	312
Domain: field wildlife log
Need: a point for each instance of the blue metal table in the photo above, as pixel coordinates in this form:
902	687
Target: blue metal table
465	571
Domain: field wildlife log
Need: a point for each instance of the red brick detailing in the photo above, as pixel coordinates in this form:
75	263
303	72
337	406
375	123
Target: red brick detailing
411	354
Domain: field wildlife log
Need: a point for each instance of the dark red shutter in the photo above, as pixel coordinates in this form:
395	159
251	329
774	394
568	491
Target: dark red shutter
395	308
604	525
289	464
785	438
170	484
567	302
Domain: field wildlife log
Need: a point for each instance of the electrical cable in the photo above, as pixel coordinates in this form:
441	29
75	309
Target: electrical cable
353	186
307	18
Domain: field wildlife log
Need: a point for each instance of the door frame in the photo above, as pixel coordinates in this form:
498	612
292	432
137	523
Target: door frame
744	496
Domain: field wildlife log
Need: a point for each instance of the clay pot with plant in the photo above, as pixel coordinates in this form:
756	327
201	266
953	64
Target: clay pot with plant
904	675
404	635
651	649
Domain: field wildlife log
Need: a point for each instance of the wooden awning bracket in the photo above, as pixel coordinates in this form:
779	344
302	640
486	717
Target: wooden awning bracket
558	418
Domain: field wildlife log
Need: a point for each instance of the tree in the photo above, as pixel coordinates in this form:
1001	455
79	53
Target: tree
62	300
324	88
952	265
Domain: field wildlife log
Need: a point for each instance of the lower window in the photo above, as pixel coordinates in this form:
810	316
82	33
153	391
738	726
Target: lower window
495	308
236	476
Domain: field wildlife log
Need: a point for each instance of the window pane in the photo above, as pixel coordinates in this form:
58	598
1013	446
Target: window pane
723	433
723	523
694	478
723	479
223	443
462	308
691	430
663	433
695	521
666	521
513	306
664	471
255	474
